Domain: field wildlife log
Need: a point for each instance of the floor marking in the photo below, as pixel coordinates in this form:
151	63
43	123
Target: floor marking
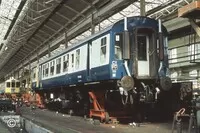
74	130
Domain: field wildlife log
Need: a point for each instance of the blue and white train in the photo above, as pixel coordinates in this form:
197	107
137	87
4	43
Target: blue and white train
129	58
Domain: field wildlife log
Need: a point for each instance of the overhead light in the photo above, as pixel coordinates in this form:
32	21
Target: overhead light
5	48
47	2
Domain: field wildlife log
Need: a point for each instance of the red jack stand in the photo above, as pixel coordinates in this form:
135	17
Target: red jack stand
98	110
39	101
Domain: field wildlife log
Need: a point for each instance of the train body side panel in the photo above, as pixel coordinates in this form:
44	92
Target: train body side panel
99	67
64	80
7	90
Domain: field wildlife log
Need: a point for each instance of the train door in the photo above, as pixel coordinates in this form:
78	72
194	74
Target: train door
89	53
143	55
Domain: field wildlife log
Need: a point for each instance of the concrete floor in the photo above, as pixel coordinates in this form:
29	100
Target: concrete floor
60	123
3	128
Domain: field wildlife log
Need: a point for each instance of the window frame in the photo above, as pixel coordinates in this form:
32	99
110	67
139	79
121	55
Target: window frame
12	84
72	60
17	84
8	84
65	63
52	67
142	49
46	69
103	46
43	71
118	46
58	65
77	64
173	55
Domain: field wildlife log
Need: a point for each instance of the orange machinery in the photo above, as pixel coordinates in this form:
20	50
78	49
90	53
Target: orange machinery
192	12
33	99
98	110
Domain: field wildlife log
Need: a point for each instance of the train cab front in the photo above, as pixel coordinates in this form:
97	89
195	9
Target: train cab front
145	59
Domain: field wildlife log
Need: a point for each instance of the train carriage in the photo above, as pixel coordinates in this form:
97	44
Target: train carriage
129	58
12	86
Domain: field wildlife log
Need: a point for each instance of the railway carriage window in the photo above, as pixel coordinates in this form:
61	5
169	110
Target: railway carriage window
43	74
52	68
72	60
34	75
118	44
77	58
58	65
17	84
65	63
142	53
103	50
47	70
13	84
8	84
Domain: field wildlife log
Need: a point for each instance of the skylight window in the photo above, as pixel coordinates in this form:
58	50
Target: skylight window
131	10
8	9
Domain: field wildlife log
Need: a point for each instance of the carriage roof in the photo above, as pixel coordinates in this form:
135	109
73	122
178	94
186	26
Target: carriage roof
11	80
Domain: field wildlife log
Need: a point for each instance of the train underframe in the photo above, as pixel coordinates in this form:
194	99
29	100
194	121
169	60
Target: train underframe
103	100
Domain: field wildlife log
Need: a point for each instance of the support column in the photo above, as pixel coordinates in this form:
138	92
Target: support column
37	57
37	71
49	51
142	8
14	74
23	76
66	40
18	73
195	26
99	25
29	74
92	25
